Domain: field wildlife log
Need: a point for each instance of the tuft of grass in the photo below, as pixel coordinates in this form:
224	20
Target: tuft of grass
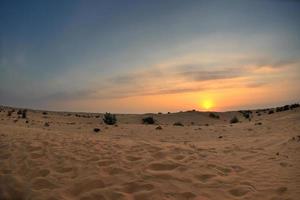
96	130
178	124
271	112
9	113
247	113
234	120
158	128
109	119
24	113
295	105
214	116
148	120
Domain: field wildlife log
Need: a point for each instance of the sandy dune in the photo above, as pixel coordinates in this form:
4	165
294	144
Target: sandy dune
205	159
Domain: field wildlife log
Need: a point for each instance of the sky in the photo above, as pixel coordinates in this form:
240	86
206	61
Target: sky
136	56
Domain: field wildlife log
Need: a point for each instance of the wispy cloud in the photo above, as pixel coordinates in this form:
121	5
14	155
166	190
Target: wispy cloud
190	78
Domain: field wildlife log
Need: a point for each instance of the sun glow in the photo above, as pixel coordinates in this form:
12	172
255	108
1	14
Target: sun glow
207	104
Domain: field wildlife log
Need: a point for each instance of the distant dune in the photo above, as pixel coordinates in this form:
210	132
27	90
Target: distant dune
207	156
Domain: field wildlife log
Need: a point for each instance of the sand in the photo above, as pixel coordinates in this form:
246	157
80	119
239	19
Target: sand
206	159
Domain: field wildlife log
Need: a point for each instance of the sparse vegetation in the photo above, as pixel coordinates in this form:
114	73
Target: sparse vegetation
247	113
96	130
178	124
46	124
9	113
45	113
148	120
214	115
234	120
158	128
287	107
109	119
295	105
271	112
24	113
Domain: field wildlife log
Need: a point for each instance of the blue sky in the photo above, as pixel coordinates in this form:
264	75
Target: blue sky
92	55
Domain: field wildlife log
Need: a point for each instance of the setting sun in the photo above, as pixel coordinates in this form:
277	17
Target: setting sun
207	104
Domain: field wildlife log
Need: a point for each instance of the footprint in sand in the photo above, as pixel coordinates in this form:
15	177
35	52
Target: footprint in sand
11	187
185	195
237	168
223	171
36	155
4	156
281	190
115	170
63	169
241	190
134	187
40	173
204	177
86	185
42	183
133	158
34	147
179	157
105	162
93	195
94	159
159	155
163	166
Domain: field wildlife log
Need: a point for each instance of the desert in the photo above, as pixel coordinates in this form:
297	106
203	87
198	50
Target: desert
59	155
149	100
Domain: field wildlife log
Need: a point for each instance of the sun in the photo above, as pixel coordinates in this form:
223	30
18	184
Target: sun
207	104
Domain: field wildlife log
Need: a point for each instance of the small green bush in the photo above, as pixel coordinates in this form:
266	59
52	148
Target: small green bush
295	105
234	120
214	115
96	130
109	119
148	120
9	113
178	124
24	114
